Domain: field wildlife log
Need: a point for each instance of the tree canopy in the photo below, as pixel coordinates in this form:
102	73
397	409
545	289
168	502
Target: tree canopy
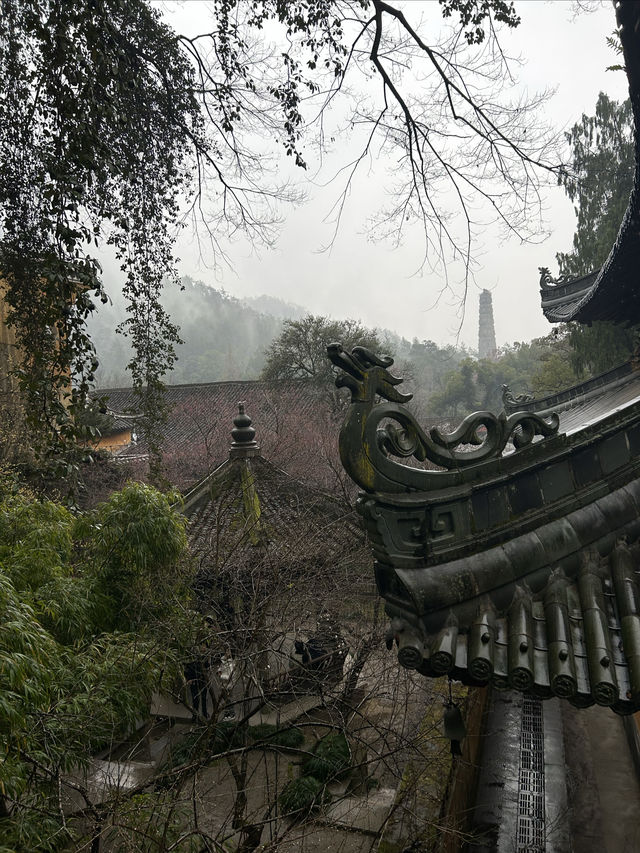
541	367
114	129
300	350
94	614
599	184
97	117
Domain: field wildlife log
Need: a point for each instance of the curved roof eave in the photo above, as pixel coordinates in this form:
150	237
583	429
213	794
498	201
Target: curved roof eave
611	294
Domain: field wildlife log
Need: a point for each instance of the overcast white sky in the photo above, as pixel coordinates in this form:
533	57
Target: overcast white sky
376	283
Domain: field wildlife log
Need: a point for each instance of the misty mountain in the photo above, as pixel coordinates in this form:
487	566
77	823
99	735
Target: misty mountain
224	337
276	307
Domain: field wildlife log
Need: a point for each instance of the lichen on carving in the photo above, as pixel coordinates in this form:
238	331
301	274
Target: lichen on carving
367	445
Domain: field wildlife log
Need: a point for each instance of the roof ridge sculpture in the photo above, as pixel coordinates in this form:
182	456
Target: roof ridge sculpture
244	444
245	451
513	569
369	437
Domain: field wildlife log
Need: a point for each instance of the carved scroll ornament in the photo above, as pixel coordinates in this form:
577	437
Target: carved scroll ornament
367	444
509	399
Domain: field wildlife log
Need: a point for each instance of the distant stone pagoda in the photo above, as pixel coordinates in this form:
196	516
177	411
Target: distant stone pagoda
486	331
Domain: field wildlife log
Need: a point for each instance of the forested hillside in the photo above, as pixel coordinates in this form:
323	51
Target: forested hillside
541	366
223	337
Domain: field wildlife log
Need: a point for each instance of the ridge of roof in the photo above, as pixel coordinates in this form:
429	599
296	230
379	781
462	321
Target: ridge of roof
248	508
216	383
581	391
199	489
200	415
515	566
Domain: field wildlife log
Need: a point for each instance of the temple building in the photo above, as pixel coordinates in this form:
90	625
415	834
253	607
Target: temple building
271	553
295	422
515	565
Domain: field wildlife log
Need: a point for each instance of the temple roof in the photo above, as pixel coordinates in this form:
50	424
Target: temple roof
589	402
211	405
197	428
517	563
247	508
611	293
561	300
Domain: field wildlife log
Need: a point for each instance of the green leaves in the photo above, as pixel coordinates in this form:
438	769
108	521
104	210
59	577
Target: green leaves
331	758
473	13
35	541
96	126
88	630
599	183
300	796
137	547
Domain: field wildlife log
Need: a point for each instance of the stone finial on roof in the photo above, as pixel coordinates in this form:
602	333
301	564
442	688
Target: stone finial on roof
244	443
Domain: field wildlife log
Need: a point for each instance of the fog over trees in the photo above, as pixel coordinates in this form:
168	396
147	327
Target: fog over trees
112	120
598	183
115	130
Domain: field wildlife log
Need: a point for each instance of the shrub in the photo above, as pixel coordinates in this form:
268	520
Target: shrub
203	744
331	758
300	796
226	736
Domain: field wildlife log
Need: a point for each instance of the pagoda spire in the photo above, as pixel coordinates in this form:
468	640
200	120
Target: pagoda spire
486	332
243	434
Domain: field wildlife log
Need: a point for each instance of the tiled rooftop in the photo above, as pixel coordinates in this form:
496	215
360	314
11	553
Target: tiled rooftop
295	522
612	292
522	570
257	532
200	410
291	416
593	402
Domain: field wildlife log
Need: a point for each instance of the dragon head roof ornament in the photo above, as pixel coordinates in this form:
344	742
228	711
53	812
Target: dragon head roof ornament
373	431
507	559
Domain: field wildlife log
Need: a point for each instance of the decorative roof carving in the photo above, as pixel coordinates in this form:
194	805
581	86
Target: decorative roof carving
374	432
547	280
244	443
511	401
522	570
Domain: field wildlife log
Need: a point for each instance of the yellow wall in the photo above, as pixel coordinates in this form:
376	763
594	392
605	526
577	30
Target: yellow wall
113	442
10	358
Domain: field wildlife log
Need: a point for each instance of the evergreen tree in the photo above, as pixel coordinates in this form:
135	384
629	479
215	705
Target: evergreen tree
599	184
